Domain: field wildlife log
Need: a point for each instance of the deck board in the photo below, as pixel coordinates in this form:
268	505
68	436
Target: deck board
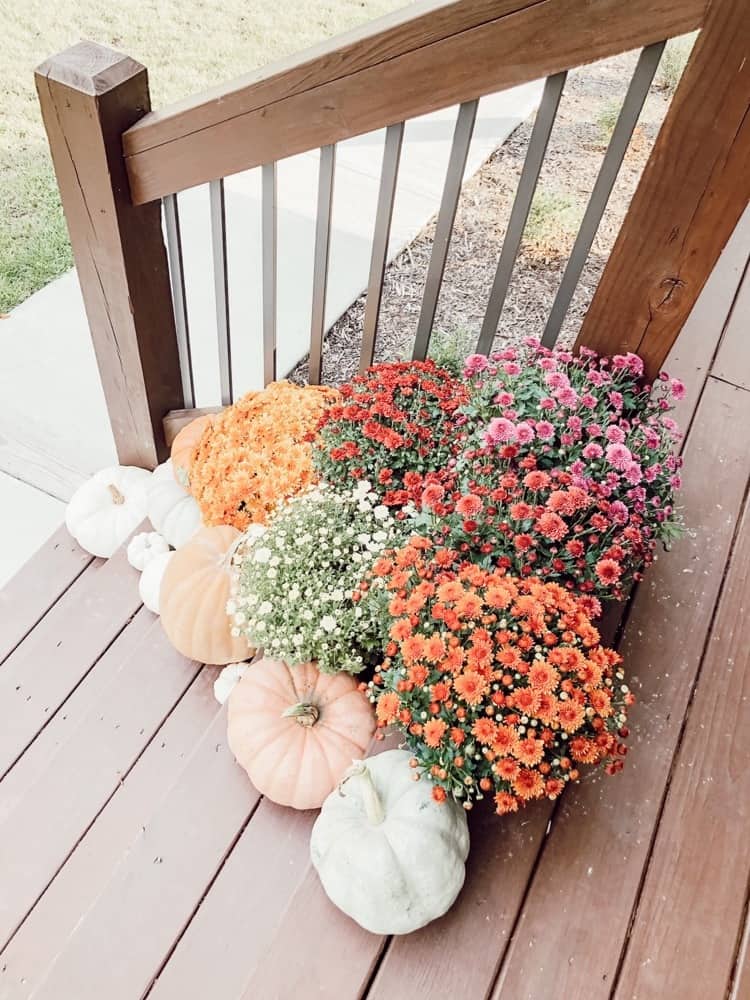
151	896
696	885
90	867
78	783
28	595
215	956
48	665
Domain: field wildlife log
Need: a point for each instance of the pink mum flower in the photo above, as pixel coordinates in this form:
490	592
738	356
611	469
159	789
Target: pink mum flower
499	429
678	388
614	434
619	456
474	364
544	430
524	433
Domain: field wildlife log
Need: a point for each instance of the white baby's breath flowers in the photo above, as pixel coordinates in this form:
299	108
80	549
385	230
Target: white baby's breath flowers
295	587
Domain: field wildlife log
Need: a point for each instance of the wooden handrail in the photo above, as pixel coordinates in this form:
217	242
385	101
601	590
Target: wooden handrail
389	71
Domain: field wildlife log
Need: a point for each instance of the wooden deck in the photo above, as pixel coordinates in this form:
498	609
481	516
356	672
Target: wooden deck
136	860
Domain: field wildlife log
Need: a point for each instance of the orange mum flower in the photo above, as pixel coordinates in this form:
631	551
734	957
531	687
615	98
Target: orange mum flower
485	731
387	707
507	768
529	751
433	732
470	686
570	715
528	784
469	606
400	630
543	677
505	803
412	649
505	740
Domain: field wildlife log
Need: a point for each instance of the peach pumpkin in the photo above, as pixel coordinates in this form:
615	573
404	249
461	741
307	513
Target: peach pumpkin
193	598
184	445
296	731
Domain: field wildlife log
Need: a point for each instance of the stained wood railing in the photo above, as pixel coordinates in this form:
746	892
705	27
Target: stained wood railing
114	160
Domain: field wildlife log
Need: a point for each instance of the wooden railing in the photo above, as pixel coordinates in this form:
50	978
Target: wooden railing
114	159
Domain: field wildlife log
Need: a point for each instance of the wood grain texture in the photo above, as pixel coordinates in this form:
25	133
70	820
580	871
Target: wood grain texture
733	360
694	188
599	843
45	931
215	956
77	783
152	894
48	665
89	95
38	757
699	342
697	878
523	41
29	595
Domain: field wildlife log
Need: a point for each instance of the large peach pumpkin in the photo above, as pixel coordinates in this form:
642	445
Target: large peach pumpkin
193	598
296	731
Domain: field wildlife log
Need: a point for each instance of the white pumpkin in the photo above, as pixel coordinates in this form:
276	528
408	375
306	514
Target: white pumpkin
172	510
144	547
105	509
149	585
228	680
387	854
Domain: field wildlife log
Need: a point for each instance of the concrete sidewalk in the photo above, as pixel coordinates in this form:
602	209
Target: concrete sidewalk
54	430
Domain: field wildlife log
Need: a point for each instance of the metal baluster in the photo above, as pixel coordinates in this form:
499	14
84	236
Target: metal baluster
394	138
269	239
618	144
467	114
320	267
221	287
177	279
532	165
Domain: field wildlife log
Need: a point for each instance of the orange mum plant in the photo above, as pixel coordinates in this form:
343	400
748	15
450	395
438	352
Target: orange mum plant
501	685
257	452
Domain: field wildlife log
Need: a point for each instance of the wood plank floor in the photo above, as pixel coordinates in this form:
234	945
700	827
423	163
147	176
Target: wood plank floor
136	859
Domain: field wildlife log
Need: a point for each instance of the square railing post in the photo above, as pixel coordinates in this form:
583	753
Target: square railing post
89	96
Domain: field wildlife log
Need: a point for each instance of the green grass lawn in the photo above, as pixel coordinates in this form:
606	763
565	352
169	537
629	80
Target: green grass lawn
187	45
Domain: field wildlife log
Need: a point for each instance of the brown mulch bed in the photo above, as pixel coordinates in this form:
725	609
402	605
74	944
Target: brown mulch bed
588	106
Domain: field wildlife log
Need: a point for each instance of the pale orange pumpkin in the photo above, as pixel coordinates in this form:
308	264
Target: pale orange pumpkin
193	598
296	731
184	445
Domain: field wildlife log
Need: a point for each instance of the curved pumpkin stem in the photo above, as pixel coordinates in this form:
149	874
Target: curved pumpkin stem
306	715
117	497
370	798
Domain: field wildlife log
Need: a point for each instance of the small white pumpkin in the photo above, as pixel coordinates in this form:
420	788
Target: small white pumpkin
144	547
105	509
387	854
149	585
172	510
228	680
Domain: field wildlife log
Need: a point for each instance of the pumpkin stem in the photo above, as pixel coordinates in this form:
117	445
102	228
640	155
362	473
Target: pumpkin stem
117	497
306	715
370	798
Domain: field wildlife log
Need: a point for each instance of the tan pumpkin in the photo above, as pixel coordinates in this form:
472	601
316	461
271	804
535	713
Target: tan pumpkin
296	731
184	445
193	598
